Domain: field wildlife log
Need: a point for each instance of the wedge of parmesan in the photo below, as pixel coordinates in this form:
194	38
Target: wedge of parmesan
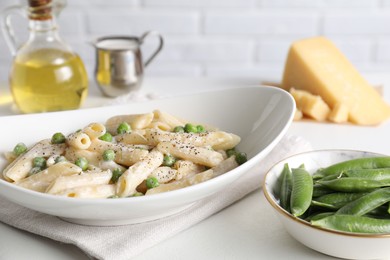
339	113
311	105
318	66
298	115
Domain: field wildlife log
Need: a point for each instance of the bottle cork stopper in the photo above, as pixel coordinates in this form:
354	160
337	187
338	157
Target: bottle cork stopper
40	9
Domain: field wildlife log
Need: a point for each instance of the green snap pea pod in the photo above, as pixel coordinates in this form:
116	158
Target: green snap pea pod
366	203
336	200
353	184
373	174
320	215
320	190
359	163
318	175
355	224
331	177
285	187
322	205
301	192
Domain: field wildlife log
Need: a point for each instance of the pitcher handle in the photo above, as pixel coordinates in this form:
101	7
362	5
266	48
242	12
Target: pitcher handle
160	46
7	28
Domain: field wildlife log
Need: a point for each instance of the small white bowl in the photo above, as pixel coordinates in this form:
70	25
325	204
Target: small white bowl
261	122
330	242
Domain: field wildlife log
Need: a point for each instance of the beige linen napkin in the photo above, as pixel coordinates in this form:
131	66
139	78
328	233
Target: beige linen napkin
131	240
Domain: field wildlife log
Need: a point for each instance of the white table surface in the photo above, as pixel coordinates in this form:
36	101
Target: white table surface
247	229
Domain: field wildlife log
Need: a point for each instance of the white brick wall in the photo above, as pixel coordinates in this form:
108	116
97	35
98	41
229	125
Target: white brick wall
227	38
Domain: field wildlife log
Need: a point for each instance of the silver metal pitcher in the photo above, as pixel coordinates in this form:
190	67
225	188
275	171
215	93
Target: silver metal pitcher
119	63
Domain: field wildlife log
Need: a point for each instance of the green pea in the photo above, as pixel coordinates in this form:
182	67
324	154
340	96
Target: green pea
82	163
200	129
231	152
359	163
178	129
123	128
34	170
190	128
108	155
152	182
39	162
169	160
352	223
106	137
58	138
353	184
19	149
116	173
301	192
285	187
241	158
60	159
366	203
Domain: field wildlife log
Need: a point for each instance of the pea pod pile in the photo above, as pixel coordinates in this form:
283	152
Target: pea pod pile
351	196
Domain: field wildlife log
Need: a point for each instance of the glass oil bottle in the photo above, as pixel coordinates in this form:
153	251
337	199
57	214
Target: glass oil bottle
46	75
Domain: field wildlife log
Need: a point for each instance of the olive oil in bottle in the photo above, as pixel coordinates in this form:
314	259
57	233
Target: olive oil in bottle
48	80
46	75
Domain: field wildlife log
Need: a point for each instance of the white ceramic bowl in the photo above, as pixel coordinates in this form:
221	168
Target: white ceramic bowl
260	115
330	242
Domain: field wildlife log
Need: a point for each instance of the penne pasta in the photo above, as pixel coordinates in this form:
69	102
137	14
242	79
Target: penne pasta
168	119
21	166
79	140
89	192
41	180
185	168
159	125
72	154
164	174
217	140
196	154
138	172
124	154
223	141
225	166
185	182
110	165
10	156
155	136
95	130
138	121
134	137
73	181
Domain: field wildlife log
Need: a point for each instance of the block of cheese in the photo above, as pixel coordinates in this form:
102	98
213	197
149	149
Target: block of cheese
339	113
318	66
311	105
298	115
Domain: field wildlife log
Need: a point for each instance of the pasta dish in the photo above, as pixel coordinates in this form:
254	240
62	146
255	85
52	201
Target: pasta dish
127	156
